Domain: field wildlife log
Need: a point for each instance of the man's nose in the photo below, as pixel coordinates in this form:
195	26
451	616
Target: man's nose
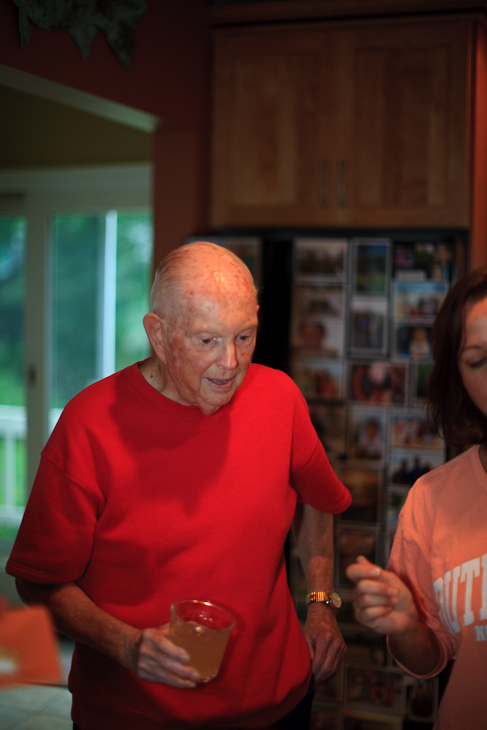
228	356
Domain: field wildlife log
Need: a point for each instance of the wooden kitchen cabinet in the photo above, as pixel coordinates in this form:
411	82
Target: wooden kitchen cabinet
266	126
359	124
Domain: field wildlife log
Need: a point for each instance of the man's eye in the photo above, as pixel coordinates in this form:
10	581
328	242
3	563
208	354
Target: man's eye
245	336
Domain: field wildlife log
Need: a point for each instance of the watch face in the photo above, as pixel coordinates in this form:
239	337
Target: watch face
336	599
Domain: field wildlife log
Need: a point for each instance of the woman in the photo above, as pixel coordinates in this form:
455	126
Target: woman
432	600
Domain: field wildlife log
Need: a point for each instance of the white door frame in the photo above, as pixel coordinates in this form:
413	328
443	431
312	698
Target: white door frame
37	194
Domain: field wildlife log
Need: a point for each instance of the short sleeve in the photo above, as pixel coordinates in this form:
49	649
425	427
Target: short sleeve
312	475
55	539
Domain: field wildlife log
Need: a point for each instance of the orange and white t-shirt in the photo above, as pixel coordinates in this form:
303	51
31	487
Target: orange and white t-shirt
440	552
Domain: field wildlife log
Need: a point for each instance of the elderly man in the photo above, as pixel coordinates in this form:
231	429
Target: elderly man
179	477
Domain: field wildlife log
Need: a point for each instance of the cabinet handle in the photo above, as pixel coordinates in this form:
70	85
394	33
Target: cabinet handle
342	183
324	173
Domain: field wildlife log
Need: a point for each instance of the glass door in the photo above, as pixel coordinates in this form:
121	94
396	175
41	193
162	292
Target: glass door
75	273
13	417
101	275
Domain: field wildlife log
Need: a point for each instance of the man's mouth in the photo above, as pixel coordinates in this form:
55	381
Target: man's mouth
220	383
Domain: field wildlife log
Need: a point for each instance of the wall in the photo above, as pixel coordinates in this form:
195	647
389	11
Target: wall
63	136
169	77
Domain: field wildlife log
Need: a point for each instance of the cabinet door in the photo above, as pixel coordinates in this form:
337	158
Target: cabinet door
358	125
266	128
406	112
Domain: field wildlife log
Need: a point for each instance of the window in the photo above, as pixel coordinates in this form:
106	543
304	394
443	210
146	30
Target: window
101	267
12	393
75	273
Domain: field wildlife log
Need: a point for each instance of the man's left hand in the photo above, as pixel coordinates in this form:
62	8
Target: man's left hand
326	644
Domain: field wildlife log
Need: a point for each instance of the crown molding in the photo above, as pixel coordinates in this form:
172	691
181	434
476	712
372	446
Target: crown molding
81	100
232	12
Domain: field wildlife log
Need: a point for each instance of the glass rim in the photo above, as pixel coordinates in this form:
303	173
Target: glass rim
206	602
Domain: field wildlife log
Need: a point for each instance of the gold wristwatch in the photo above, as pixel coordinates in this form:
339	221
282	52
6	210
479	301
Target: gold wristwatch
329	598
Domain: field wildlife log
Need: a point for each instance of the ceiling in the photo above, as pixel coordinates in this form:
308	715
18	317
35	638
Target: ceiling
44	124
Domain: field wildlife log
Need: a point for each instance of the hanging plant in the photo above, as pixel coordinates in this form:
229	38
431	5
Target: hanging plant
82	19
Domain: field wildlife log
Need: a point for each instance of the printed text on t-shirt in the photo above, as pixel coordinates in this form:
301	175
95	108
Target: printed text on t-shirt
473	573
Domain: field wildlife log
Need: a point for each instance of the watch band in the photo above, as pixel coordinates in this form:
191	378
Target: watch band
329	598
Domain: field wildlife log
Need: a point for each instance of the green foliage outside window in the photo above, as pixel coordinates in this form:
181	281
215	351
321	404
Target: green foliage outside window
76	248
12	294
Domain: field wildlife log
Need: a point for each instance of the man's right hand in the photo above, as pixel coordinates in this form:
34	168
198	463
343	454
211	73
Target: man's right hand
147	652
157	659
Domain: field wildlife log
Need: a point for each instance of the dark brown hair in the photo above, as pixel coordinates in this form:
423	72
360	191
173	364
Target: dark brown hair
450	407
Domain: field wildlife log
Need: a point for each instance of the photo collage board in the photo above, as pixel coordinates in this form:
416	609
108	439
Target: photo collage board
360	335
248	248
362	311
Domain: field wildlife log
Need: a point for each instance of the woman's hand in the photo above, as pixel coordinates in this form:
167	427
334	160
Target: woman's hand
383	603
381	600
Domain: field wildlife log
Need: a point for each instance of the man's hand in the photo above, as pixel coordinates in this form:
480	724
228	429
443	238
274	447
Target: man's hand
326	644
156	659
148	652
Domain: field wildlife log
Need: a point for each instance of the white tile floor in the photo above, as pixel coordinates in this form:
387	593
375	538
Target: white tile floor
36	707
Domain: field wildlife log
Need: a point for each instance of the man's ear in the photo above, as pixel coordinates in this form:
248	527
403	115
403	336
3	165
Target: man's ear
154	327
